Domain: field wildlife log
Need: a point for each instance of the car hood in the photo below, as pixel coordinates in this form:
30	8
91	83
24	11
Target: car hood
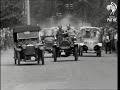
90	40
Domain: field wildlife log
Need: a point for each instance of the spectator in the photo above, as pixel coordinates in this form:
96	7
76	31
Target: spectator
107	44
116	41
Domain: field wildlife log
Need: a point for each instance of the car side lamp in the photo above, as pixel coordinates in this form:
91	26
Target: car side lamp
23	46
41	47
81	44
100	44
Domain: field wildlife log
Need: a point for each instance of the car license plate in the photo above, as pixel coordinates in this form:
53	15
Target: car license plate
32	58
63	53
90	48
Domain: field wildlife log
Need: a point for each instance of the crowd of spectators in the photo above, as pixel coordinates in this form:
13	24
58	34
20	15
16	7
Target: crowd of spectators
6	38
110	39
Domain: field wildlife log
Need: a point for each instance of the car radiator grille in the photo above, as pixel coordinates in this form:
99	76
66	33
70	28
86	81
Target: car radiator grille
64	44
90	45
30	50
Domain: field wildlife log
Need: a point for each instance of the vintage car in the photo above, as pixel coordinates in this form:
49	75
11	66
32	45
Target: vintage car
27	46
65	47
89	40
48	39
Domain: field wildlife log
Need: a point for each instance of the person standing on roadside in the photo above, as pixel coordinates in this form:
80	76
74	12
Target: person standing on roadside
116	41
107	44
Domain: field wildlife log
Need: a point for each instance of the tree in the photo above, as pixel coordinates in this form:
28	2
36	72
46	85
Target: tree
11	12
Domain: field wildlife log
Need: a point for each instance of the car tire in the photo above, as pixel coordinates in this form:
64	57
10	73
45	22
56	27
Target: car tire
99	53
54	54
18	57
15	61
81	51
76	53
38	62
42	57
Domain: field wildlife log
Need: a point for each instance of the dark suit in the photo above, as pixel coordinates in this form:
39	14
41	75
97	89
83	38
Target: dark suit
59	35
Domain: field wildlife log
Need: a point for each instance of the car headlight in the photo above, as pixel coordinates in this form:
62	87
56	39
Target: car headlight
55	43
24	46
99	44
75	41
36	46
30	45
41	47
74	37
55	38
81	44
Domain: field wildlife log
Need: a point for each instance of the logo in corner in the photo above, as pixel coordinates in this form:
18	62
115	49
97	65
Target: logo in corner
112	7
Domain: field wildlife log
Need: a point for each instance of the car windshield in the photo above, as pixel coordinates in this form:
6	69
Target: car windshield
27	35
90	33
48	32
49	38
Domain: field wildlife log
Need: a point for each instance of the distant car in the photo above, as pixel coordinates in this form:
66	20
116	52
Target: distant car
27	46
48	39
89	40
48	43
65	47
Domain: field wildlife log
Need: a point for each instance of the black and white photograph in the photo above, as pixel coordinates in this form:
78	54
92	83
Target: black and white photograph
59	44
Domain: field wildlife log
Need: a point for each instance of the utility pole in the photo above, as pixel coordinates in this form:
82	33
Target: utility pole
27	5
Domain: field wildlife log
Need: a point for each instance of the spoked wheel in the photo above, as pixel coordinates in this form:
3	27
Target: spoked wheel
18	57
42	57
54	54
76	53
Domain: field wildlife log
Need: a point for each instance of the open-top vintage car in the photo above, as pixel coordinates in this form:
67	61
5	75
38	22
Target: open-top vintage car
66	47
27	46
89	40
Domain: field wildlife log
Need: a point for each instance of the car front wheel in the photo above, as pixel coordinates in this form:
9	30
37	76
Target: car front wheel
18	57
76	53
54	54
42	57
99	52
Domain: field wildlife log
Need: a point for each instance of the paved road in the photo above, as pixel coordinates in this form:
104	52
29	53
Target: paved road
89	72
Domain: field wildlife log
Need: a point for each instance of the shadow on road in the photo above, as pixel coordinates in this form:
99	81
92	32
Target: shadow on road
48	57
65	60
24	64
89	56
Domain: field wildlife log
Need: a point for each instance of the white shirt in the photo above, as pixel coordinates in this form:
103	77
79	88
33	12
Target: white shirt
116	36
107	37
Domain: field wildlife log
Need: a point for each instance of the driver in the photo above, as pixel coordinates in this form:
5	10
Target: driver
59	33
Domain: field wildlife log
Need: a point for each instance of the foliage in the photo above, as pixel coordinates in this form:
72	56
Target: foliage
11	12
93	11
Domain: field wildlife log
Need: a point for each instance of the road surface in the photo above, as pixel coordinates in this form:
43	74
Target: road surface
89	72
